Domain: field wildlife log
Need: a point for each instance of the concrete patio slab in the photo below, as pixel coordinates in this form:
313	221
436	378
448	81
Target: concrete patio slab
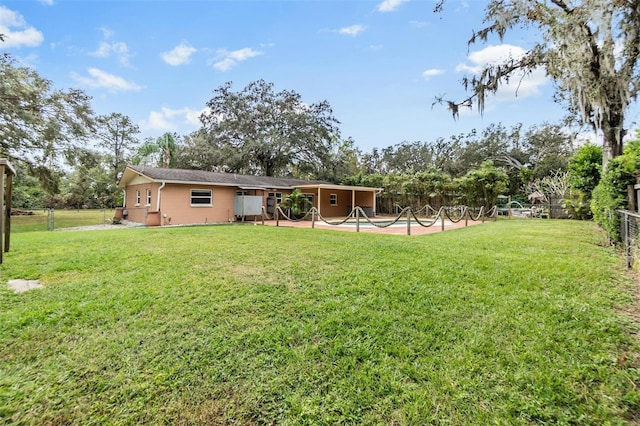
20	286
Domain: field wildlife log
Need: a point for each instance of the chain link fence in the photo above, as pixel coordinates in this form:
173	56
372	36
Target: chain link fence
630	233
23	220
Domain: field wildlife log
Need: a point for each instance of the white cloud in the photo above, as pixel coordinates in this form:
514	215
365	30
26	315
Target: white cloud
192	116
432	73
179	55
225	64
490	55
157	121
99	79
168	119
227	60
106	48
24	35
520	84
353	30
106	33
46	2
243	54
389	5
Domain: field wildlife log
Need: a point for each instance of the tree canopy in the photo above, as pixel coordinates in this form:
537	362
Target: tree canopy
38	123
161	152
260	131
117	134
590	48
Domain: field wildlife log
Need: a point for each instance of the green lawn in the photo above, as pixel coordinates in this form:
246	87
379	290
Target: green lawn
511	322
61	219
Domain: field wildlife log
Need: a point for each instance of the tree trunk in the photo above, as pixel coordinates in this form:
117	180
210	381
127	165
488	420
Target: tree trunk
613	133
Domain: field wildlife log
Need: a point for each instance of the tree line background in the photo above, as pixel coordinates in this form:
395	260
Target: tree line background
68	157
259	131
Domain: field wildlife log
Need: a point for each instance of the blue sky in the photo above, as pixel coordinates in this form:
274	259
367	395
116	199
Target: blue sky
379	64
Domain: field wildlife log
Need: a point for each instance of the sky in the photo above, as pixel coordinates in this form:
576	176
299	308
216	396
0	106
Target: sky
380	64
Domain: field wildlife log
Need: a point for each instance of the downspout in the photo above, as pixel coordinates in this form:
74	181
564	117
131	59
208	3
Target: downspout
124	198
160	189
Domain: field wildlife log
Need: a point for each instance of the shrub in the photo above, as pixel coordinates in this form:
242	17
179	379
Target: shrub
611	194
481	187
578	207
585	168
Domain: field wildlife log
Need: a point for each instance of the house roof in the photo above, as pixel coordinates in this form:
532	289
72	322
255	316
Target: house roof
203	177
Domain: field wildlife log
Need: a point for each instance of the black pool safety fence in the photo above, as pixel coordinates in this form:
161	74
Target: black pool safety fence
425	217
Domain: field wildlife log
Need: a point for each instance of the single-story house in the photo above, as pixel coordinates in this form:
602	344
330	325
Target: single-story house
156	196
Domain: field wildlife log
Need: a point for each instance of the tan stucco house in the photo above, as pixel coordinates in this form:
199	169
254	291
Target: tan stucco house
157	196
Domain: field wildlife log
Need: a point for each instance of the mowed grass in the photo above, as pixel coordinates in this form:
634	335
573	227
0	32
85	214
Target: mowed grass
61	219
513	322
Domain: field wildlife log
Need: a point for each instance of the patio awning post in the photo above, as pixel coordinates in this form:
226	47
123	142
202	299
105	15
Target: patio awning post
353	199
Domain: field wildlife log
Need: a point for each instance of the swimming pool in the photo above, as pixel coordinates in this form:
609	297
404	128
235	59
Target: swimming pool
386	223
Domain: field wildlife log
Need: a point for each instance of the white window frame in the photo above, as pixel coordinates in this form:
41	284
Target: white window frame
137	197
201	197
148	196
333	199
277	196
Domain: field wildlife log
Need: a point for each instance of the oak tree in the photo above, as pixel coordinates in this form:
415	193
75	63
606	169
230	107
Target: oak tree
38	124
260	131
589	48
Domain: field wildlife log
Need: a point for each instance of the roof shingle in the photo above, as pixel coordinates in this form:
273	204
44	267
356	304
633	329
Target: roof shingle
182	175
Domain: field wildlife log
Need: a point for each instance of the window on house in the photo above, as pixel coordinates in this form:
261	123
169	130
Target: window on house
148	196
333	199
201	197
277	196
137	197
309	197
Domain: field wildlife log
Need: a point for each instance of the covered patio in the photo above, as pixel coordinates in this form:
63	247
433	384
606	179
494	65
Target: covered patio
339	200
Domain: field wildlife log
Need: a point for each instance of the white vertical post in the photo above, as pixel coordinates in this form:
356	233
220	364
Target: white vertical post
408	221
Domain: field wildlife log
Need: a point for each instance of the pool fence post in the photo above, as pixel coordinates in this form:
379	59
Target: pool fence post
409	221
482	213
313	218
357	220
277	217
466	217
442	219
